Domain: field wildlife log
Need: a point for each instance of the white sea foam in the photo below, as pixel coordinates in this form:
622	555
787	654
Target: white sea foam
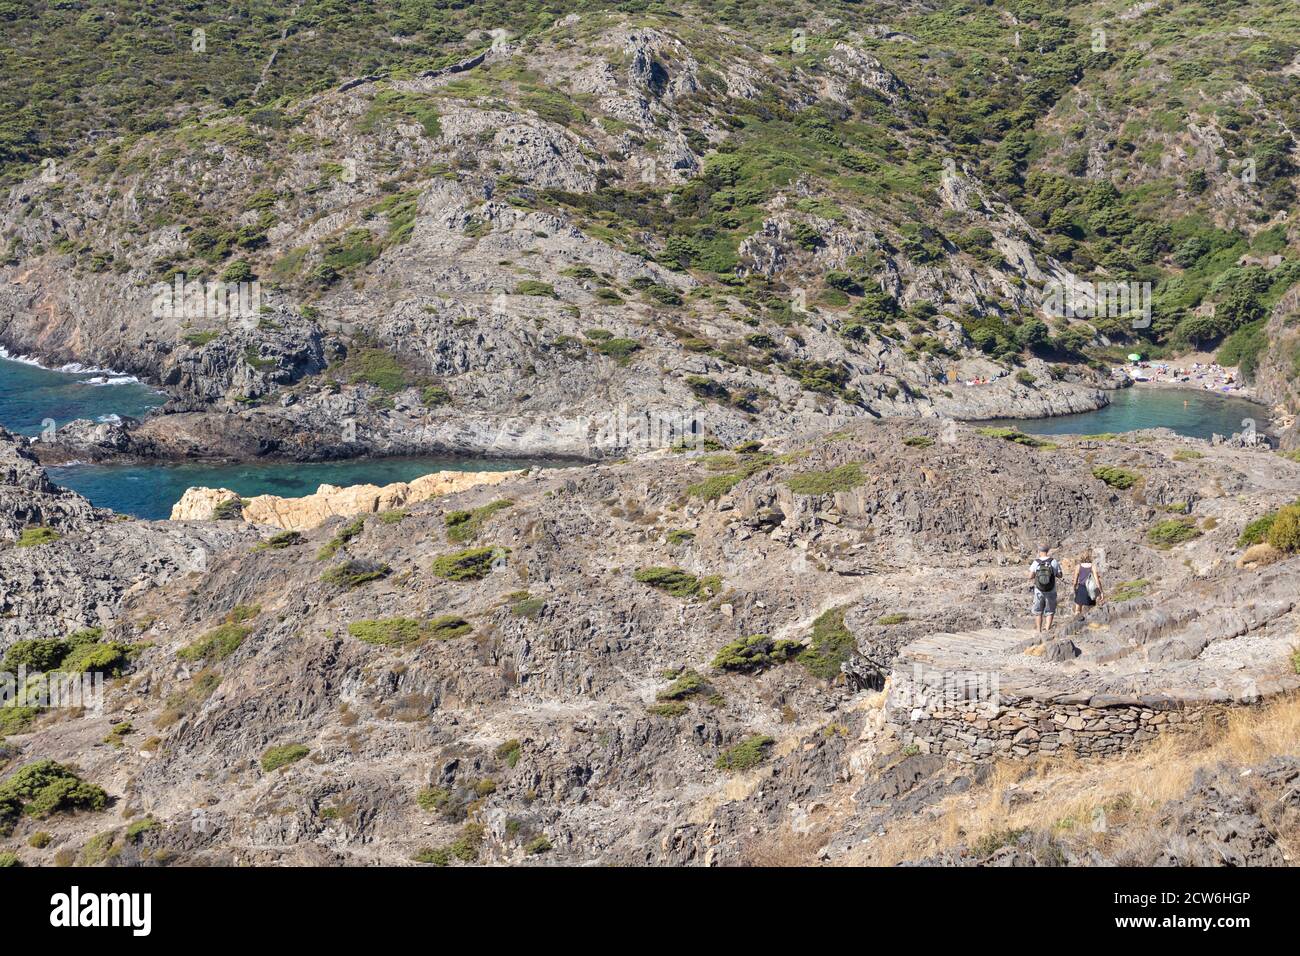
103	376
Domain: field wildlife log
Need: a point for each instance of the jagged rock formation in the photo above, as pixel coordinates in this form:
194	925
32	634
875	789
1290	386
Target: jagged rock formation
28	498
328	501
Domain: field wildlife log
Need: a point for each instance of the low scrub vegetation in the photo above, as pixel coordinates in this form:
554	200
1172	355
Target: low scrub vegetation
351	574
832	645
843	478
1120	478
679	583
746	755
276	757
44	788
472	564
464	526
754	653
1166	534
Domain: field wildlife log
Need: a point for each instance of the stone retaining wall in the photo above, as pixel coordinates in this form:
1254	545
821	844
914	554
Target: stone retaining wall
1020	727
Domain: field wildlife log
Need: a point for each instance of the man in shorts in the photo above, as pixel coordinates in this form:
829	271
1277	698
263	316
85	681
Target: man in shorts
1044	572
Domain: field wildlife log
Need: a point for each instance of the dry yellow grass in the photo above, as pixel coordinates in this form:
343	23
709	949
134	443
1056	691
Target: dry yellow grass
1102	803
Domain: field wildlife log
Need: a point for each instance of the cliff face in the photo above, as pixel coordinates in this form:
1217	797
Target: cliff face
29	499
463	262
1278	375
553	656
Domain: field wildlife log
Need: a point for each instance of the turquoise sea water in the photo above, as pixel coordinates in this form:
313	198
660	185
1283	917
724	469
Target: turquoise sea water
1197	414
30	395
149	491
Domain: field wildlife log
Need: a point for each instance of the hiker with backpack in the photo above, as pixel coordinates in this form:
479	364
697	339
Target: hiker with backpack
1043	572
1087	585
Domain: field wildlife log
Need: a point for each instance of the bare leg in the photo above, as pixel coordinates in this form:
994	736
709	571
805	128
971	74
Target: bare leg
1047	618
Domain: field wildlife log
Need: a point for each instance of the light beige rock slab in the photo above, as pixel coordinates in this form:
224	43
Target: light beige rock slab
298	514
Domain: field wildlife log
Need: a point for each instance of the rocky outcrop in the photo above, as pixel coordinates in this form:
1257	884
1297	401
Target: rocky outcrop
28	499
90	561
308	511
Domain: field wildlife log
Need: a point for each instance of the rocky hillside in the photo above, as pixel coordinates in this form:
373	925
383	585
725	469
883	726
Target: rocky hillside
673	659
565	231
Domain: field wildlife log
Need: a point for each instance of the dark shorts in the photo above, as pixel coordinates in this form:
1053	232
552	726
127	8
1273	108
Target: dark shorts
1044	602
1082	597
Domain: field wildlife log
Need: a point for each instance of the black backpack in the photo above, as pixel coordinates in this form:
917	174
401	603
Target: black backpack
1045	577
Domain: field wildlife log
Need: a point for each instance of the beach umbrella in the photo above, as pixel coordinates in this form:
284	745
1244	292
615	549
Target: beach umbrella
1134	357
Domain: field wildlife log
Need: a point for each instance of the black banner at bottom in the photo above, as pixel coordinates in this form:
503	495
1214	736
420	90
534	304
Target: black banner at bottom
142	906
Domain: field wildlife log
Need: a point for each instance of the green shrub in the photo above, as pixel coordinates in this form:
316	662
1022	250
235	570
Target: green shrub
523	604
96	658
510	752
464	526
216	645
679	536
537	845
472	564
439	856
1012	435
754	653
534	287
34	537
117	735
350	574
843	478
99	849
389	631
990	843
679	583
15	719
1187	454
449	626
619	349
8	859
1257	531
433	799
282	756
341	537
687	684
39	840
277	542
713	487
1166	534
232	509
918	441
1119	478
137	828
36	654
1284	532
392	516
43	788
889	619
832	645
747	754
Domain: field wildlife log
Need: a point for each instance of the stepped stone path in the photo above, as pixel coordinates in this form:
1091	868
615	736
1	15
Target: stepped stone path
1104	683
